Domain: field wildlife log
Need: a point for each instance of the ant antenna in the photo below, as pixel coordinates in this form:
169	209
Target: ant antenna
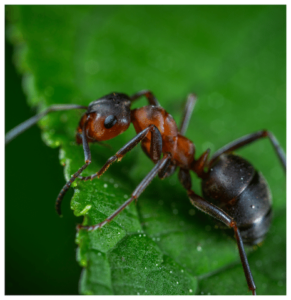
13	133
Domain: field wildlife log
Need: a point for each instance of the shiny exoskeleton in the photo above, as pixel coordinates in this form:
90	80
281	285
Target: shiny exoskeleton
233	191
243	193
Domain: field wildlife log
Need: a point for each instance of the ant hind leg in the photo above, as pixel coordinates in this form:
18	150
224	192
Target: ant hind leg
220	215
248	139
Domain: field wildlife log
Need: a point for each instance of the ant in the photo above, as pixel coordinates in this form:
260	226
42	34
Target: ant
233	191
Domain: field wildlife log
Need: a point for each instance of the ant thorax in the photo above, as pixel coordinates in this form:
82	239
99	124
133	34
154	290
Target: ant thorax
181	148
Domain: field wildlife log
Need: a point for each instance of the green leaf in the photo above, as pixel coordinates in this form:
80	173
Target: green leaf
234	58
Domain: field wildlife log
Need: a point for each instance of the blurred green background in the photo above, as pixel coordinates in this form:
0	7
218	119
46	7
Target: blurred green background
233	57
40	253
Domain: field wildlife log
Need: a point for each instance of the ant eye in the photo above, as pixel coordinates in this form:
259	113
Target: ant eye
110	121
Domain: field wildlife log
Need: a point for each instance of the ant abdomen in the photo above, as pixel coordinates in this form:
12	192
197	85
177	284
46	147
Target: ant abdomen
243	193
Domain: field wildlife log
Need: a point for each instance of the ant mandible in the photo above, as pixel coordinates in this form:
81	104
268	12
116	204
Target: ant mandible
233	191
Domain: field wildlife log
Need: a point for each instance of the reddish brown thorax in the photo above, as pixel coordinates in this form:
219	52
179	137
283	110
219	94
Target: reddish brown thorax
181	148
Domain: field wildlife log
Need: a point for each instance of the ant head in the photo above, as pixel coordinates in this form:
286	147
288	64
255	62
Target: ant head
106	118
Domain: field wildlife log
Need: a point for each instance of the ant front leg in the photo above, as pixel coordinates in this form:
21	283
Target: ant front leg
155	153
148	94
248	139
87	154
13	133
159	167
220	215
155	150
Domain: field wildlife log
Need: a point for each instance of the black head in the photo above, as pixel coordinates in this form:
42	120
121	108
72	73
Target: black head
111	102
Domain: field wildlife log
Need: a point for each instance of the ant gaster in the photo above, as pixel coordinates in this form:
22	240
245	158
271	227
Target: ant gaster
233	191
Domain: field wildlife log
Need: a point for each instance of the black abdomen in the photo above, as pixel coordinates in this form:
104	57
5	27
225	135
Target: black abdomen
235	186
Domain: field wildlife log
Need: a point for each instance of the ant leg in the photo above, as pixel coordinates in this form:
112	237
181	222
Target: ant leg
28	123
219	214
148	94
87	154
168	171
191	101
185	178
155	150
245	140
199	164
163	163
